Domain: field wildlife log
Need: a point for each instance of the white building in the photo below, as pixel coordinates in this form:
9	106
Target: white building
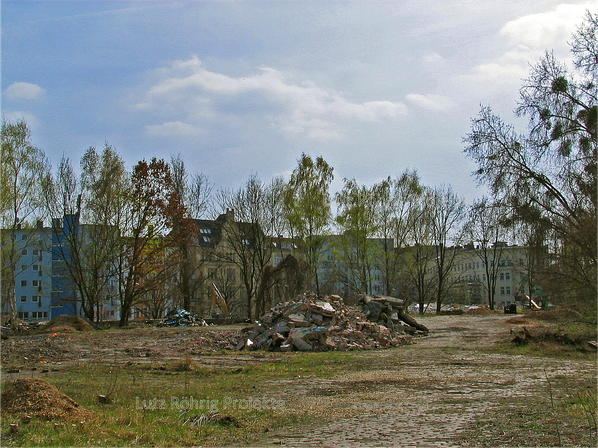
509	265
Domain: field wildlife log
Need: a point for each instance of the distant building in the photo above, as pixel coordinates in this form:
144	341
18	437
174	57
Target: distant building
33	274
66	298
342	271
509	264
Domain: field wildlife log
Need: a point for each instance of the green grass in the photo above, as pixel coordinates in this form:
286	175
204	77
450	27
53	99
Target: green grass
241	393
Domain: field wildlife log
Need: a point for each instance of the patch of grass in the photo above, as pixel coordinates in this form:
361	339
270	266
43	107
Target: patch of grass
584	404
150	403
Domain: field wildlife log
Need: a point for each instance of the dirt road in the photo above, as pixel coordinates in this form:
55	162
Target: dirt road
442	391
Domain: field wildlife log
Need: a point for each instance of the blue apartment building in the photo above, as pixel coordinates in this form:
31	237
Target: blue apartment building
33	274
43	288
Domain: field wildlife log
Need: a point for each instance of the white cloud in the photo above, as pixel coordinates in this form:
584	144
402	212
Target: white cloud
435	103
17	115
24	91
555	26
174	129
190	90
528	37
433	58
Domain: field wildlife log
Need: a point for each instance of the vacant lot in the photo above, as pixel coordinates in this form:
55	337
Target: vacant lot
465	384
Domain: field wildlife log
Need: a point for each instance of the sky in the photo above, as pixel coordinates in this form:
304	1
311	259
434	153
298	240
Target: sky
245	87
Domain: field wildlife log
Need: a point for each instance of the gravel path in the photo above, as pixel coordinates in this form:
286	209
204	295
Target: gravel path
436	392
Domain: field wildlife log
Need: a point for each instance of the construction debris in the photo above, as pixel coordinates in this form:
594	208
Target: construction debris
388	311
314	324
213	418
181	318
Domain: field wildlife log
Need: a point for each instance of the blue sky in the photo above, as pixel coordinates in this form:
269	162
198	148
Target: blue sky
242	87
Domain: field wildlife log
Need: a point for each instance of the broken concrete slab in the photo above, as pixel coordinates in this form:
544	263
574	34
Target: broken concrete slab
324	324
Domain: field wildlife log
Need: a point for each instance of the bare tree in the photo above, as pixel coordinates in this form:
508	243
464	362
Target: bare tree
419	256
396	201
86	216
248	236
448	210
195	194
548	175
486	231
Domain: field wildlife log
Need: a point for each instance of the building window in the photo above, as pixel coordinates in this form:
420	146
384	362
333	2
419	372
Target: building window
23	237
35	298
508	290
36	252
502	290
36	267
502	275
25	252
34	283
507	276
24	315
23	298
23	282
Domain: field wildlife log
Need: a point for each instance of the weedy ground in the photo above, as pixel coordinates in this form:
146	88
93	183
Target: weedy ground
465	384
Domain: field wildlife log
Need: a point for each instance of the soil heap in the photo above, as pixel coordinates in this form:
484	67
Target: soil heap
66	324
38	398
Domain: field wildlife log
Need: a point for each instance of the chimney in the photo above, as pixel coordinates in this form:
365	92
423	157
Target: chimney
40	224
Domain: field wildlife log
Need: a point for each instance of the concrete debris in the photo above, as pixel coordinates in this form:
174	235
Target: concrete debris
312	323
181	318
593	345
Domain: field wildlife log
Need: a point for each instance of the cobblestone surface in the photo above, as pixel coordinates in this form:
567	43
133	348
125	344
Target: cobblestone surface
439	389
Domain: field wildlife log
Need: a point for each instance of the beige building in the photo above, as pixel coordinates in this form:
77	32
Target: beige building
475	268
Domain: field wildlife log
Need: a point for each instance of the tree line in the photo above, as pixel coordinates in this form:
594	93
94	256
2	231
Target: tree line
543	180
138	225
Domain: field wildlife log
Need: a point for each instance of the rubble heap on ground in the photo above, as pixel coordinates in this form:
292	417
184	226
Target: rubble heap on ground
315	324
181	318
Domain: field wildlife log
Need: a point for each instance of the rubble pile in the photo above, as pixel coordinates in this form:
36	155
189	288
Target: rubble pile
315	324
20	328
181	318
388	311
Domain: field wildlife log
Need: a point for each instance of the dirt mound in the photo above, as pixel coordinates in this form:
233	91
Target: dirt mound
66	324
517	321
38	398
480	311
555	315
